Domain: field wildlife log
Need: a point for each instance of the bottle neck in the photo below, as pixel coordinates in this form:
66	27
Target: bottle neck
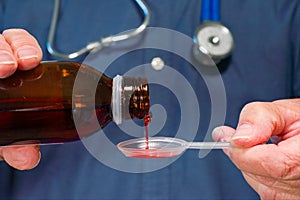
130	98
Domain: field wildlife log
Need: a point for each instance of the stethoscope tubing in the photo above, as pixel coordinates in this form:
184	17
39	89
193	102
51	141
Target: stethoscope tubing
103	42
210	13
210	10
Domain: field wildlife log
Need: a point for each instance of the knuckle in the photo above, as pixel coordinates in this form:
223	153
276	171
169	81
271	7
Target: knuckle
256	109
255	106
14	32
262	110
19	37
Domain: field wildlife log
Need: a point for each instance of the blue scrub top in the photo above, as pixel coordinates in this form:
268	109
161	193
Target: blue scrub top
264	66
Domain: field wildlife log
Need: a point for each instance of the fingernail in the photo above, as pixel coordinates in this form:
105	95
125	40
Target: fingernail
27	52
217	133
6	58
243	133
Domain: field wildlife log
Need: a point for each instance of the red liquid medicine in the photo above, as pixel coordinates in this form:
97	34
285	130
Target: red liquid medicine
41	105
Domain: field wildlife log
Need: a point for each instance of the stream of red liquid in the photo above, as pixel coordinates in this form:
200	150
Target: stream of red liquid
150	152
147	120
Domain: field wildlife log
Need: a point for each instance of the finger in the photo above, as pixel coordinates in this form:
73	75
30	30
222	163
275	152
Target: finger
279	161
8	63
25	47
256	124
1	157
259	121
223	134
22	157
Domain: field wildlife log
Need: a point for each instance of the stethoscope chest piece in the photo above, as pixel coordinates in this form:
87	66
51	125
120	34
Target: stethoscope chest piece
212	39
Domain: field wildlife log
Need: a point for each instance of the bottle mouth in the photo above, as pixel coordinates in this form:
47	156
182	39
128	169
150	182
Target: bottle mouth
130	98
116	99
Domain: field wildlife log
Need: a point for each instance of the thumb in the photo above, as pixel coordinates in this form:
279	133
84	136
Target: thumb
21	157
259	121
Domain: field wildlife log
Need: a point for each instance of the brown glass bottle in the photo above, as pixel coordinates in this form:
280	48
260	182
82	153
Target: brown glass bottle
57	102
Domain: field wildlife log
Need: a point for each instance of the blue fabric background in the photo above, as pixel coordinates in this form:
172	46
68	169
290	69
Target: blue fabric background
264	66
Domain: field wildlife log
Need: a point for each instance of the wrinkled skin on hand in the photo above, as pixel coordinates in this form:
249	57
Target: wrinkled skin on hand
19	51
272	169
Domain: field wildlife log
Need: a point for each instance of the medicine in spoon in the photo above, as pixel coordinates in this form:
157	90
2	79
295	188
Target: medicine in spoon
163	147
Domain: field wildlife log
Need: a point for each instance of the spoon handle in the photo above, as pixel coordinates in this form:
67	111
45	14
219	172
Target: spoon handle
207	145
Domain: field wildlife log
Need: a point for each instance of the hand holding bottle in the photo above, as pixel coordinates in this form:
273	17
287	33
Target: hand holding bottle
273	170
19	51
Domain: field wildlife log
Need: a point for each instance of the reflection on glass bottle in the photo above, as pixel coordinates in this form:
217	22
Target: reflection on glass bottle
42	105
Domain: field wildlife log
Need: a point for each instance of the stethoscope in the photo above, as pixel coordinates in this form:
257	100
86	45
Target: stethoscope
103	42
211	38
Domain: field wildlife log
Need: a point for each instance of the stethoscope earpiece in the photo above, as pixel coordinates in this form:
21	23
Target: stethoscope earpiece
214	40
